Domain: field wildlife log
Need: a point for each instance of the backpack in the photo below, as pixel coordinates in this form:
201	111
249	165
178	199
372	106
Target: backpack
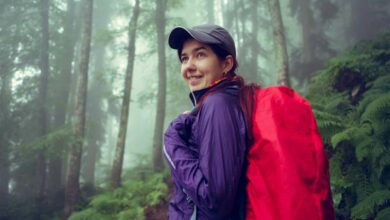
287	173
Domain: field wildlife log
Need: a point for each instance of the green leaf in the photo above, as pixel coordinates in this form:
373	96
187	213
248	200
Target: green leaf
383	214
370	205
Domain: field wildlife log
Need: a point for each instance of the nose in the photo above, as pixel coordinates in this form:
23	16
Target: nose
188	67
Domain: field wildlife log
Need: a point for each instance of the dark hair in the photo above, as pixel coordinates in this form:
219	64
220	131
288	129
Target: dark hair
247	91
222	54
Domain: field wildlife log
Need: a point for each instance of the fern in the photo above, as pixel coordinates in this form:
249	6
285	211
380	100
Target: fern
328	124
87	214
371	205
106	204
383	214
383	162
346	135
379	109
134	213
357	125
363	149
128	201
361	180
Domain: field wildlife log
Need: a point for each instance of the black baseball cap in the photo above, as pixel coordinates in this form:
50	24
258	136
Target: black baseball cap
205	33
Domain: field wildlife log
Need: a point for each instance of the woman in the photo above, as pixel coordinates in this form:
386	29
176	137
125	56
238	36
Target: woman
284	175
206	148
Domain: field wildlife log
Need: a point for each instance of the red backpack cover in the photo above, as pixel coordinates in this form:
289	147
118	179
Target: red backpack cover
288	174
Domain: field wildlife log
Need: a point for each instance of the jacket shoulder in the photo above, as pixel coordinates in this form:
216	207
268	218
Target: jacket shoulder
222	98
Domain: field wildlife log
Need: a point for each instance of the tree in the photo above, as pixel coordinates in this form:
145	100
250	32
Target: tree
161	95
5	115
43	83
280	43
98	91
54	180
9	39
120	146
254	43
210	11
315	48
244	21
366	27
17	52
72	187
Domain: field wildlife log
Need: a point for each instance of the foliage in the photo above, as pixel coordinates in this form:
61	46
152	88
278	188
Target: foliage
54	139
351	100
128	201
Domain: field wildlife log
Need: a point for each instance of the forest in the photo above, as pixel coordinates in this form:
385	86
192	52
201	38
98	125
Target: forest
88	87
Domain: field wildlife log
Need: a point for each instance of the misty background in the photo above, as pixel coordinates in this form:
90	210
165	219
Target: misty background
51	134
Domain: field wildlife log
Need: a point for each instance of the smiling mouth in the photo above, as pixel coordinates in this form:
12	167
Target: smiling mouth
193	80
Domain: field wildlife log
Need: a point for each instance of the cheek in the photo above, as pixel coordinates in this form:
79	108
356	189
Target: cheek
182	73
215	72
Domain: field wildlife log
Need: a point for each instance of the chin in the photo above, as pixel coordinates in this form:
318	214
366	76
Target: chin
196	88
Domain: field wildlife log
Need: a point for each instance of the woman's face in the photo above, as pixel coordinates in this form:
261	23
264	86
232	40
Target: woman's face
200	66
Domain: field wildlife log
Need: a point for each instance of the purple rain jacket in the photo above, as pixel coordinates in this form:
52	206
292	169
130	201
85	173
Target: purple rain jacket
206	154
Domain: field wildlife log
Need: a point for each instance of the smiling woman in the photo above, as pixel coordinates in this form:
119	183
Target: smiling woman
206	148
200	66
242	152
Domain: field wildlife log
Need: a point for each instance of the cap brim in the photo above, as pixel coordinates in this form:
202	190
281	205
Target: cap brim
179	34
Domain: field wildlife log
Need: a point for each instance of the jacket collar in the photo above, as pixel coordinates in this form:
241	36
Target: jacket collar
195	96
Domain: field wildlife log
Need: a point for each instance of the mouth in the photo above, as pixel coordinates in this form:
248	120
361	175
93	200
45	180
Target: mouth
194	80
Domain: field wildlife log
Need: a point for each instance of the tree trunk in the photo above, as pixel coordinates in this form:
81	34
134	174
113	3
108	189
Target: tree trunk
240	19
120	146
91	163
210	12
161	96
55	181
5	101
280	43
72	187
43	81
236	25
360	27
254	44
97	92
307	24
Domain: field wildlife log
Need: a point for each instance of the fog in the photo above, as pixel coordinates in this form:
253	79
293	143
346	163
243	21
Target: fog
40	64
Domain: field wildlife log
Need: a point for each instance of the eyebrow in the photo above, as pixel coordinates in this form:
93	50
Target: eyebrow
195	50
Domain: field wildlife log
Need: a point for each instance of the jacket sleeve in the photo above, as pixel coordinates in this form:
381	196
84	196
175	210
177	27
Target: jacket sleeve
210	177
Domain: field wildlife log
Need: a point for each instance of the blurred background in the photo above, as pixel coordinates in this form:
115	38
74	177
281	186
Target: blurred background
87	88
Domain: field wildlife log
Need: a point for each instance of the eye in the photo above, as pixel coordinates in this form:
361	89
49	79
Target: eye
183	59
201	54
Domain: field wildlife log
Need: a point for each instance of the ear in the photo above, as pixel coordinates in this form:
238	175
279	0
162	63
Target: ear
228	63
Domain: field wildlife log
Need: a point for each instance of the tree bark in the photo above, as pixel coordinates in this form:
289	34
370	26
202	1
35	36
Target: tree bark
120	146
161	96
97	92
241	21
280	43
235	17
43	82
72	188
210	12
5	101
254	44
55	181
307	22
